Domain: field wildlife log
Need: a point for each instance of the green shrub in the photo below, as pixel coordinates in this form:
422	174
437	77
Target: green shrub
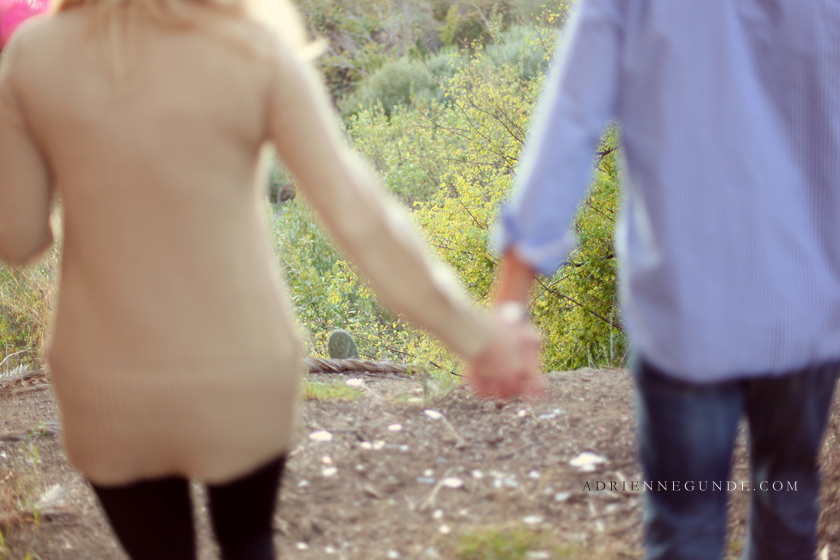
362	36
400	81
451	157
484	131
444	64
540	12
475	22
26	296
577	310
405	148
469	147
391	85
328	294
522	48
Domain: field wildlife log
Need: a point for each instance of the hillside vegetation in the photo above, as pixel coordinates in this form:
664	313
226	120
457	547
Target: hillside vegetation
437	94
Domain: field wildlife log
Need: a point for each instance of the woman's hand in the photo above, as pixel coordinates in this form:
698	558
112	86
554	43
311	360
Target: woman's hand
509	367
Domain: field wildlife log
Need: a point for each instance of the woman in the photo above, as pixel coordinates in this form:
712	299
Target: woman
174	354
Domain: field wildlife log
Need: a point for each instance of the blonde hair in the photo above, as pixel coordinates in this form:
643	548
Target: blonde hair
280	15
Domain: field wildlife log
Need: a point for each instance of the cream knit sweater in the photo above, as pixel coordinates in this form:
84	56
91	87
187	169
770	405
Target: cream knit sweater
174	350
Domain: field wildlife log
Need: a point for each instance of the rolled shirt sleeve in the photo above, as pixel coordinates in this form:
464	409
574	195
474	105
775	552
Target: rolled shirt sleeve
25	191
578	101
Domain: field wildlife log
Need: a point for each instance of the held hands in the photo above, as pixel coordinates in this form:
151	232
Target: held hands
509	366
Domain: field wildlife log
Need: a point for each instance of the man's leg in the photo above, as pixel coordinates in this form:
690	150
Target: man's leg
787	417
686	437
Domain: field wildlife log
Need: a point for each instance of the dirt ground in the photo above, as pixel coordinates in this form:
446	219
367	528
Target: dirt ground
408	470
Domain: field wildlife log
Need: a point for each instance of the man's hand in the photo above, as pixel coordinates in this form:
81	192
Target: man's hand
510	365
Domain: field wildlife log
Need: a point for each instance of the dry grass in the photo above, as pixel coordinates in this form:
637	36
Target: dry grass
26	296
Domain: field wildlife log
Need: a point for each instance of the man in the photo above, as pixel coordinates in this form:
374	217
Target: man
729	242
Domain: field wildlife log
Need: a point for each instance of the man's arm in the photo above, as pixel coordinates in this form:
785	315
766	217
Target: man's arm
532	233
522	348
514	280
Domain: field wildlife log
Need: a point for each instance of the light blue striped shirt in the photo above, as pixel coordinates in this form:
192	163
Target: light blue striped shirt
729	236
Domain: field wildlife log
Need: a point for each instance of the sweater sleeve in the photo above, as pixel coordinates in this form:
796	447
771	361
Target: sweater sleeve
25	191
367	224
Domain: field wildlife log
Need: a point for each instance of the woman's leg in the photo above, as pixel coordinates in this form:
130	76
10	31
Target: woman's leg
242	512
152	519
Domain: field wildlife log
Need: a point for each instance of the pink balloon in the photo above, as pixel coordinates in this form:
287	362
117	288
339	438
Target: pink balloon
15	12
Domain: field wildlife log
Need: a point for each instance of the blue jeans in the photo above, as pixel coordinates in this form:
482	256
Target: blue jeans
686	437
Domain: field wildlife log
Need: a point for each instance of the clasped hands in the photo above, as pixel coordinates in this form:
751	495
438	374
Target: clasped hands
510	365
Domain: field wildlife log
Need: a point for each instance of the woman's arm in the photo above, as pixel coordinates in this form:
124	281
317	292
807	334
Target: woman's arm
25	192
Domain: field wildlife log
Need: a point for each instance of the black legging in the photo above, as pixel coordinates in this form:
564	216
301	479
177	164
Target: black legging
153	519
